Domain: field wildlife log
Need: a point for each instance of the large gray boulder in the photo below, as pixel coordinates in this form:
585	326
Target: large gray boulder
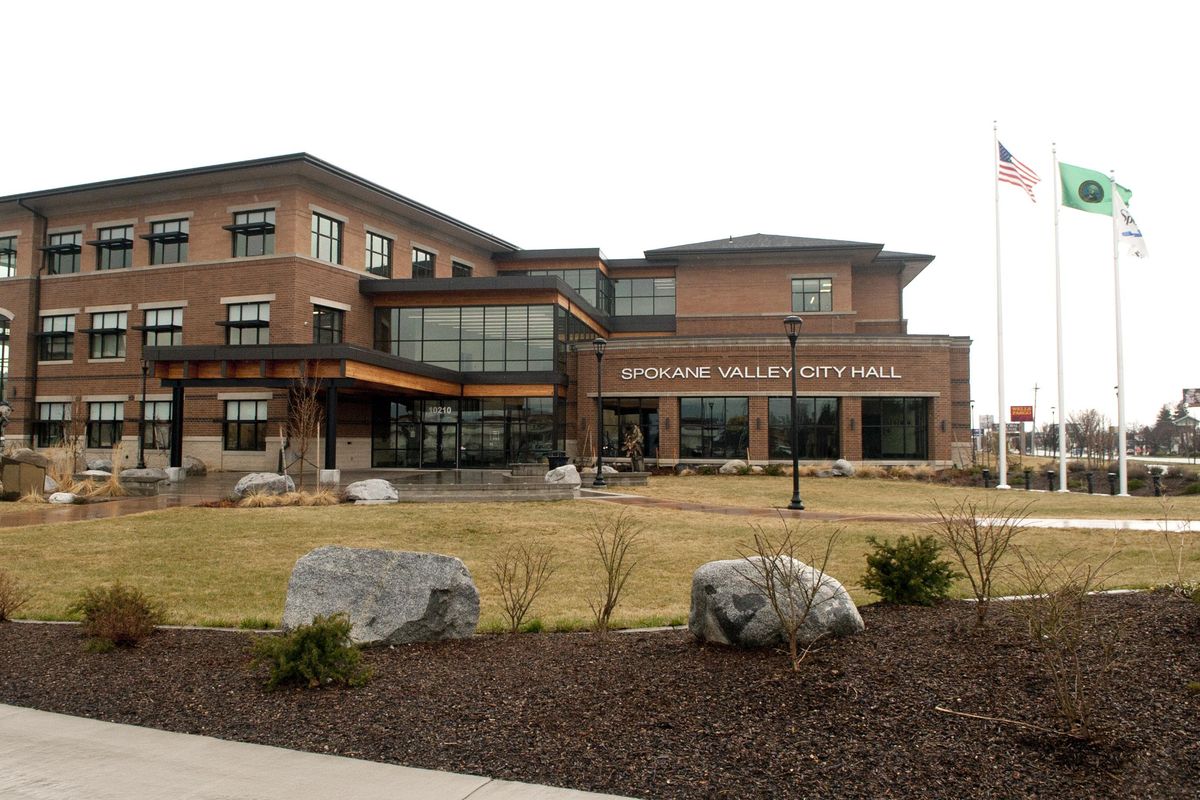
565	476
733	467
843	468
193	466
390	596
263	483
100	464
27	456
372	490
728	608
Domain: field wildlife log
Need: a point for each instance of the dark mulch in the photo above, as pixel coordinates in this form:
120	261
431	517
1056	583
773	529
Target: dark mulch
658	715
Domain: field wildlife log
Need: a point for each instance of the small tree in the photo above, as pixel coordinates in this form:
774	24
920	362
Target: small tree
908	571
306	412
613	539
521	572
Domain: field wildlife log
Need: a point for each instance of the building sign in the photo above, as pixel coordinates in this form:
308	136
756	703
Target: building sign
805	372
1021	413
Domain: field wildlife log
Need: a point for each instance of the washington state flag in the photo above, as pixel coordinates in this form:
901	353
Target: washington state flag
1088	190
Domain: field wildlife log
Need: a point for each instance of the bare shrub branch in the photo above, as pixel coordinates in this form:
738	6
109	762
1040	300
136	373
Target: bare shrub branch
521	572
305	414
13	595
613	539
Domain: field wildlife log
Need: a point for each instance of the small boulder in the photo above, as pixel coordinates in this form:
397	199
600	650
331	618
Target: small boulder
193	466
592	470
27	456
685	472
565	476
756	470
390	596
728	608
732	467
62	498
842	467
49	485
263	483
372	490
96	474
100	464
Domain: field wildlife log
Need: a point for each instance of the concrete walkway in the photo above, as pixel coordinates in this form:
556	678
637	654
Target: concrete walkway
46	756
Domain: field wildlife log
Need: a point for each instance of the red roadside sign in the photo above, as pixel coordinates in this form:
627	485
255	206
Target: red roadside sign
1021	413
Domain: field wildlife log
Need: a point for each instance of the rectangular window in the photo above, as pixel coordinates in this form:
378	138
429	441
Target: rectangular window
895	427
379	255
51	426
57	338
812	294
644	297
8	256
422	263
114	247
245	424
156	424
624	415
593	285
105	421
168	241
817	418
62	254
107	334
472	338
253	233
5	335
326	238
327	325
163	327
460	270
713	427
248	323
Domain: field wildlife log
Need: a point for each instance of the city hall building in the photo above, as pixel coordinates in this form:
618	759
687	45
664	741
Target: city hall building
437	345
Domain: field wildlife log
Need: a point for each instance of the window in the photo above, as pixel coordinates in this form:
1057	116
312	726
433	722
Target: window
114	247
592	284
623	413
5	334
470	338
105	421
248	323
62	254
245	424
817	418
168	241
713	427
644	297
57	338
422	263
253	233
326	238
895	427
163	327
156	424
460	270
8	256
812	294
107	334
379	255
327	325
51	426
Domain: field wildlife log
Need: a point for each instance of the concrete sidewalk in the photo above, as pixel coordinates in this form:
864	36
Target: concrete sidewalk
46	756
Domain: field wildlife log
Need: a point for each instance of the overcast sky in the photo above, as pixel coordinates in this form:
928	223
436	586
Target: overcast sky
633	126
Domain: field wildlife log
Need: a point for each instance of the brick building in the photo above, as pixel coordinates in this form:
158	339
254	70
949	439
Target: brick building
436	344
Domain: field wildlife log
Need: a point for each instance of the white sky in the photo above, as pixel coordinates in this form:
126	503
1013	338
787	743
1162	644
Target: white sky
632	126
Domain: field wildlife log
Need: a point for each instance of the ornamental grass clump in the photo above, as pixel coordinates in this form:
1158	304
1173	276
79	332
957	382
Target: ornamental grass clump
314	655
117	616
908	571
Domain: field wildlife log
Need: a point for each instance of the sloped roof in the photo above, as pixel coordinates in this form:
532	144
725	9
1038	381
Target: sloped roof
762	241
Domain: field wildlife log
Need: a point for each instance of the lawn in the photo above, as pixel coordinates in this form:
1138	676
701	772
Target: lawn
224	566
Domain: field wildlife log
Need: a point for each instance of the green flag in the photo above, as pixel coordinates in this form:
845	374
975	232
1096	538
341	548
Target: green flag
1088	190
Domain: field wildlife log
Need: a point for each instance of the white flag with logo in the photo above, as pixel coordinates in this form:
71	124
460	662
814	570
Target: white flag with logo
1130	234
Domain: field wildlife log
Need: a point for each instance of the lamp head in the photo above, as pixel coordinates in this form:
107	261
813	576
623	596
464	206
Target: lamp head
791	324
598	344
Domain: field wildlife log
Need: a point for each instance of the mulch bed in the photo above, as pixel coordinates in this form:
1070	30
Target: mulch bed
659	715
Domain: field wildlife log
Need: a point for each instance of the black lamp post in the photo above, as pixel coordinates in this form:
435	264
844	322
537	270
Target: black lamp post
792	325
142	427
599	344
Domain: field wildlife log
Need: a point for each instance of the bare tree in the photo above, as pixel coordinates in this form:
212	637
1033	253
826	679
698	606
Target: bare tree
978	535
792	588
613	539
1089	429
521	572
306	412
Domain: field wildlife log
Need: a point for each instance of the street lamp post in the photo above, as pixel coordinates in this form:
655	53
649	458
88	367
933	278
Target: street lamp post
598	344
792	325
142	428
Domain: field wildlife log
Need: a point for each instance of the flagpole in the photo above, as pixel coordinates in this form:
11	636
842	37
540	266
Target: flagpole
1122	465
1002	438
1062	396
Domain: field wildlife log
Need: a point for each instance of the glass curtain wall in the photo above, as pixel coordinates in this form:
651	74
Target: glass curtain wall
713	427
817	418
895	427
620	413
592	284
470	338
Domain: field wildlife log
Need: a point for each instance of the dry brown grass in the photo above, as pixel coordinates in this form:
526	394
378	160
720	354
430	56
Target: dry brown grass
316	498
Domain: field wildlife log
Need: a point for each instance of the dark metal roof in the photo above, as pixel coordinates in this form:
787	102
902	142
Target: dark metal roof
891	254
540	255
760	242
292	158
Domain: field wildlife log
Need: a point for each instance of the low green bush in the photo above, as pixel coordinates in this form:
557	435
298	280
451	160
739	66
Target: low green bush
908	571
117	615
1135	484
1191	488
314	655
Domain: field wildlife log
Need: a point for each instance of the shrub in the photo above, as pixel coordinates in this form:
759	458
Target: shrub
978	536
613	538
1135	484
13	595
1191	488
775	470
908	571
117	615
924	473
869	471
314	655
520	573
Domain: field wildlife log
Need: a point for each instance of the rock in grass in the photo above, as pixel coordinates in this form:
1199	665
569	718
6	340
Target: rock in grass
372	490
100	464
390	596
566	476
62	498
728	608
263	483
843	468
733	467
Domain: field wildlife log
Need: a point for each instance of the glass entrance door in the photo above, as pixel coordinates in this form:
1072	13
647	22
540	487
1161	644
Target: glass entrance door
439	445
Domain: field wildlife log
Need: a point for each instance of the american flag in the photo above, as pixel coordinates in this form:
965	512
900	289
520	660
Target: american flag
1014	172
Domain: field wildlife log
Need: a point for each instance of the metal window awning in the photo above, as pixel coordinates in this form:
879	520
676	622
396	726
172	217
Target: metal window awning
244	323
61	249
99	330
157	328
251	227
166	237
111	244
47	334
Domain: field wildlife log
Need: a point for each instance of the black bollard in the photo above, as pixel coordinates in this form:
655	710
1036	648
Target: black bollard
1157	480
1112	483
987	479
1091	481
1049	480
1028	480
